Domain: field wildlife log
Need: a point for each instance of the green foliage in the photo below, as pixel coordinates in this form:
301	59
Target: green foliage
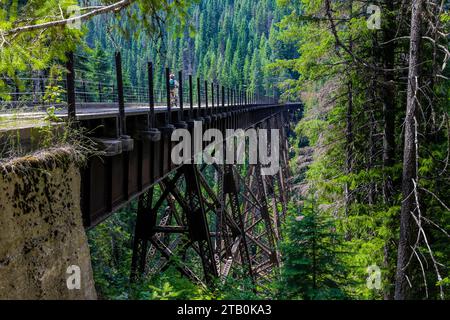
31	50
353	182
111	251
42	48
351	221
229	42
312	258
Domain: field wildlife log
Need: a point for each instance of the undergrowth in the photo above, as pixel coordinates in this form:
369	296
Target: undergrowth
55	144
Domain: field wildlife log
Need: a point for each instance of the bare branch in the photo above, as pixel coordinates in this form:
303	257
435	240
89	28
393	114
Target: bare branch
97	11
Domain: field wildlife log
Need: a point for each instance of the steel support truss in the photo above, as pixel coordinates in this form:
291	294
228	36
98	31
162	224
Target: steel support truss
225	218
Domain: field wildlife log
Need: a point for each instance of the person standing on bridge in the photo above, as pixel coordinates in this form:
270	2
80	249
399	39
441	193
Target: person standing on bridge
173	85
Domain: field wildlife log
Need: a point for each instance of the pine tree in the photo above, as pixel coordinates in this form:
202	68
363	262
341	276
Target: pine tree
312	269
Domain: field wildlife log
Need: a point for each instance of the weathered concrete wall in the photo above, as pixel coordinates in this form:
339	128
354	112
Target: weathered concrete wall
41	230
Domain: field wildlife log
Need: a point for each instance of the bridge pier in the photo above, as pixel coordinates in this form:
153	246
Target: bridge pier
44	252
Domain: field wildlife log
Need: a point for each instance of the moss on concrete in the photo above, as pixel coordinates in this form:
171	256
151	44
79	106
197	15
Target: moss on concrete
41	230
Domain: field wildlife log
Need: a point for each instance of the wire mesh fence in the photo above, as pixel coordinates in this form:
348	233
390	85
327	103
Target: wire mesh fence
97	87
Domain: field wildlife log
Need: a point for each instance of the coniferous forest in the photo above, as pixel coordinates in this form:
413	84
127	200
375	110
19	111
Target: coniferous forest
369	212
226	41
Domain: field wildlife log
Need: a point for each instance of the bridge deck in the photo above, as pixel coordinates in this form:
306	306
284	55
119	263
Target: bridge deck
27	118
111	181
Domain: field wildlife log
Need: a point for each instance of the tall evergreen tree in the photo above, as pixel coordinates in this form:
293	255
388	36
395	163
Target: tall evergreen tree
312	269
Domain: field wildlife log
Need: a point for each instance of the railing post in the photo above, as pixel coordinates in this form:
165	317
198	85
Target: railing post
112	94
199	94
191	98
127	142
238	108
215	99
180	96
199	98
152	134
218	96
212	98
232	98
120	96
100	92
227	107
206	99
70	86
238	99
168	117
152	122
223	97
238	96
83	83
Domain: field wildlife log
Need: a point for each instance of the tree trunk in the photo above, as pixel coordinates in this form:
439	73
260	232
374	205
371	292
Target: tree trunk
349	126
372	94
349	144
402	287
388	96
314	252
